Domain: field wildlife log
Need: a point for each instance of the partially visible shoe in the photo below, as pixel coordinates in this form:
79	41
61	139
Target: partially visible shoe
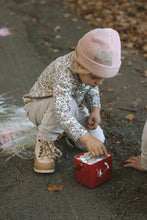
70	142
77	144
45	155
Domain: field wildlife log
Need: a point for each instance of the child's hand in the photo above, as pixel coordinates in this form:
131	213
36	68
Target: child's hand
93	145
94	118
134	162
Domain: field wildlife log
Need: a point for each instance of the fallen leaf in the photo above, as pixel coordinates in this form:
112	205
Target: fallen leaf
79	27
145	48
24	4
126	15
18	179
57	28
110	90
58	37
67	15
72	48
129	64
129	45
56	50
45	43
118	191
74	19
130	117
119	74
136	198
55	188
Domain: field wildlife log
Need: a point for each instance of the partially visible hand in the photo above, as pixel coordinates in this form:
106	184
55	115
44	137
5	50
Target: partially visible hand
134	162
93	145
97	148
94	118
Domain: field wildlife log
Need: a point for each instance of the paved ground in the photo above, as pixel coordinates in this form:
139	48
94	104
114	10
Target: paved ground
40	32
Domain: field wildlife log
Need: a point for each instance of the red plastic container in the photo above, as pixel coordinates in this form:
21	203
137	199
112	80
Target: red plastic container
94	174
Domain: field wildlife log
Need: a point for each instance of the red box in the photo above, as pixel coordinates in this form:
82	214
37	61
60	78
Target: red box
94	174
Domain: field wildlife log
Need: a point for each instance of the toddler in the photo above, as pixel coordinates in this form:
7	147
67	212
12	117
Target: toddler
65	98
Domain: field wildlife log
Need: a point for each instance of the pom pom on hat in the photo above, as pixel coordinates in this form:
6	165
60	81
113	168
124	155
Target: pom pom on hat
99	51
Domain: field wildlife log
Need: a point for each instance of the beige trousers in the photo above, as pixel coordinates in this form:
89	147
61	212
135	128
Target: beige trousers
41	113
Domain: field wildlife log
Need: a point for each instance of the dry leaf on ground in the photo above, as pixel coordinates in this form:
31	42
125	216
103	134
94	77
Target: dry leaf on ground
55	188
127	17
130	117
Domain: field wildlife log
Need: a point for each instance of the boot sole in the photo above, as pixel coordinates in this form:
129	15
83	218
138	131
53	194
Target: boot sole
44	171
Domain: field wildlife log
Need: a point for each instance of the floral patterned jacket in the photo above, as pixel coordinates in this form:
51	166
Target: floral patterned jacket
60	82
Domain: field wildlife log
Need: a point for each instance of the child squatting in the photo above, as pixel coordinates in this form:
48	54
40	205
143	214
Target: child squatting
65	97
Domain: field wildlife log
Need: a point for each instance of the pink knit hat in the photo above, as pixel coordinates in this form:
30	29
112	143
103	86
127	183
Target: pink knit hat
99	51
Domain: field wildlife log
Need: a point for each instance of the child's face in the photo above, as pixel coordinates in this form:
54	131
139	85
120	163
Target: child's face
90	79
87	77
